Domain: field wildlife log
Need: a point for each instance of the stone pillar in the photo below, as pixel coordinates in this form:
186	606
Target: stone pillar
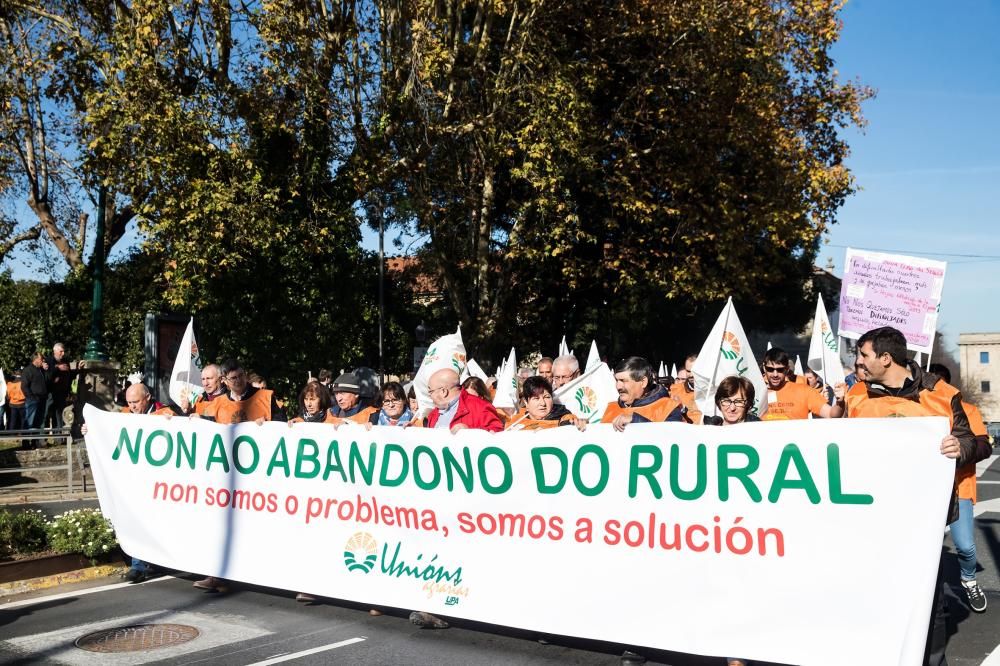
97	385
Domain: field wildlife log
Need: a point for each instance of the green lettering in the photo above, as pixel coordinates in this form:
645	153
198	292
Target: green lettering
508	472
248	469
302	457
217	454
742	474
354	461
184	450
387	452
279	459
635	471
837	494
436	479
536	462
702	473
602	481
133	450
792	454
167	455
333	463
452	466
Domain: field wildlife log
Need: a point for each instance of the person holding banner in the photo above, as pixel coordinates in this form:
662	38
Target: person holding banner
733	398
897	387
640	398
791	400
211	382
683	392
314	405
349	405
963	530
456	408
540	410
244	402
393	408
564	370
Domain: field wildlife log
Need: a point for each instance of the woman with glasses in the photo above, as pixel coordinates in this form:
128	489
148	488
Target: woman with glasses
733	398
393	406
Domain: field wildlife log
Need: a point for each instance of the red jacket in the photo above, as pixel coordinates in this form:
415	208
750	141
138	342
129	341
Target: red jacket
473	412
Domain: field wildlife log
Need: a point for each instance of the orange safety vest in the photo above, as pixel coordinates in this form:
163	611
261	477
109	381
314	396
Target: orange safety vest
793	401
965	477
680	393
257	406
15	396
932	403
361	417
528	423
156	412
656	412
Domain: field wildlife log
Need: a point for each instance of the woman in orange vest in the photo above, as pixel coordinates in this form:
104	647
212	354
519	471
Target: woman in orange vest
540	411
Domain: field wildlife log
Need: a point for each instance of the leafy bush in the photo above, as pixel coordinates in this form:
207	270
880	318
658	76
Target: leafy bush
84	531
21	532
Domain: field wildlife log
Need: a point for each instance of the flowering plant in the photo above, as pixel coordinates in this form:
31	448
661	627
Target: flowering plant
84	531
21	532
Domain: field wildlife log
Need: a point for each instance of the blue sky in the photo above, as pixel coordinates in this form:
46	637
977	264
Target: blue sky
929	161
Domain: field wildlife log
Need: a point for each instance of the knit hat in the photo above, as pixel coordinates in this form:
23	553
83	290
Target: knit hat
346	383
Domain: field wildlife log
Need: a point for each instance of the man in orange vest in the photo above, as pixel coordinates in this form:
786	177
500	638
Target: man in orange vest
243	402
211	383
683	392
791	400
15	400
641	399
897	387
963	530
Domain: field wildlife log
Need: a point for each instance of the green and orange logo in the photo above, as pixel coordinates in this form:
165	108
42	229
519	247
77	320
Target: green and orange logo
586	400
730	348
359	552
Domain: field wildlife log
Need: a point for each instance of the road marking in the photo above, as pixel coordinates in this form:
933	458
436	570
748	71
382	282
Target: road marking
993	659
983	465
987	505
79	593
306	653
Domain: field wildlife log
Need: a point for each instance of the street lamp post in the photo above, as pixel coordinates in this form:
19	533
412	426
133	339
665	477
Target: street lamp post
95	346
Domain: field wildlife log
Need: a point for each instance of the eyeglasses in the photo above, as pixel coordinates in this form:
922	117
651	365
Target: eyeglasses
392	401
776	368
431	391
564	377
235	378
729	402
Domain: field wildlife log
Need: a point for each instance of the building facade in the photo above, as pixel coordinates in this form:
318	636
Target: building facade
979	357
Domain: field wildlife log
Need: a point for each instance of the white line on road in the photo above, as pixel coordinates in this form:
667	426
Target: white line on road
305	653
993	659
78	593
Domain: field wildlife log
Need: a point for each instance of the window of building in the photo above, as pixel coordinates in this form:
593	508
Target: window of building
984	387
984	357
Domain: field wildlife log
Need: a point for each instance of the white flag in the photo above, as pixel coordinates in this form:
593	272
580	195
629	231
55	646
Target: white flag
673	370
662	372
3	389
185	378
918	358
506	396
593	358
768	345
726	352
824	349
472	369
448	351
588	395
798	365
564	348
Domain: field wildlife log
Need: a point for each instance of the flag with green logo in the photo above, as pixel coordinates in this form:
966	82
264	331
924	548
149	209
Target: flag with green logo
448	351
593	358
588	395
506	396
726	352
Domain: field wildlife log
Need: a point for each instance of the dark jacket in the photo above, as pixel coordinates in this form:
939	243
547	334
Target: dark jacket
33	383
58	380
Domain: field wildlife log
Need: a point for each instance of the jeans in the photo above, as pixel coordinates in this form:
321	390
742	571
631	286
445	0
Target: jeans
965	540
34	412
16	419
139	565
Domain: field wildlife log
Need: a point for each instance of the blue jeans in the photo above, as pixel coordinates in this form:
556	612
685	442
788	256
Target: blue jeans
965	539
139	565
34	412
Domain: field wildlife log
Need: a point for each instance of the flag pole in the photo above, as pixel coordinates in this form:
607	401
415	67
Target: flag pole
725	327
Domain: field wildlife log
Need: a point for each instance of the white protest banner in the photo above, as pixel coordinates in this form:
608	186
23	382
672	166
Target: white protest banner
588	395
593	358
673	370
798	365
895	290
662	371
185	378
448	351
708	537
726	352
824	348
506	395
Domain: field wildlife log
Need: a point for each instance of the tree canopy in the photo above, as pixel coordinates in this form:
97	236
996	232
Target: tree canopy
613	169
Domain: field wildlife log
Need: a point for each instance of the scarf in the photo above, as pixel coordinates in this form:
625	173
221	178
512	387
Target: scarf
405	417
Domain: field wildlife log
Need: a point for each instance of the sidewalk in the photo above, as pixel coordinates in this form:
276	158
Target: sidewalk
43	492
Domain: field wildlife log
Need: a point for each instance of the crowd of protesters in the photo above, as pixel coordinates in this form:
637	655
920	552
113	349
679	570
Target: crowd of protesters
884	383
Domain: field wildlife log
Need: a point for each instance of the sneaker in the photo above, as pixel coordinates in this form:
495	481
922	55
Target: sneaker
136	575
427	621
977	600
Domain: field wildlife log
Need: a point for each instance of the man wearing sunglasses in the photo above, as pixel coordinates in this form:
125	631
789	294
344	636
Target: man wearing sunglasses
788	400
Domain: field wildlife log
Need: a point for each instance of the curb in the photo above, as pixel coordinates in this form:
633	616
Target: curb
45	582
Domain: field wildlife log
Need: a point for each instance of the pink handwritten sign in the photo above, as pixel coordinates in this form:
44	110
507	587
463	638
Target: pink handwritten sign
891	290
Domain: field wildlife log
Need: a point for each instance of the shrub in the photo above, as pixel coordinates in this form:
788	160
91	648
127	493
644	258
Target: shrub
84	531
21	532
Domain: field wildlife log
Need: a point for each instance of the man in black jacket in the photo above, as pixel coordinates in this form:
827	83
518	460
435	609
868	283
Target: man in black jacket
35	391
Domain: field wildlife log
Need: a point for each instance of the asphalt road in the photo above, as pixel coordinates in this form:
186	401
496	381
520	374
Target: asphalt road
260	626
